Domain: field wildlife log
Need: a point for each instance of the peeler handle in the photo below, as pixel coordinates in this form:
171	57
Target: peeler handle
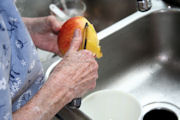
75	103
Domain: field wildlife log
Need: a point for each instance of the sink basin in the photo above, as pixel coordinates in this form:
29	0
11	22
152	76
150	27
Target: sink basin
144	58
114	10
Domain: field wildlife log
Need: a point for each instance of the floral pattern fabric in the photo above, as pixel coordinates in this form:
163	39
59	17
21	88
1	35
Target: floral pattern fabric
21	73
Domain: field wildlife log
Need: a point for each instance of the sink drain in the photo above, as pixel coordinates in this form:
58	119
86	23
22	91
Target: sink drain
161	111
160	114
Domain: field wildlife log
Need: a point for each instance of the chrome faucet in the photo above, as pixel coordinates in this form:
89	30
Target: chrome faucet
144	5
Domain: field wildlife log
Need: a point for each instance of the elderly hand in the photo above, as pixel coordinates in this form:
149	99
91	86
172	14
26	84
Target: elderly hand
72	77
44	31
78	68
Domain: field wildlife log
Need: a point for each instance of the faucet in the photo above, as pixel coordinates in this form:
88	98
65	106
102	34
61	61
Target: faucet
144	5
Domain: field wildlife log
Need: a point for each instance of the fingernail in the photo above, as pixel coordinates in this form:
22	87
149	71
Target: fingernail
77	33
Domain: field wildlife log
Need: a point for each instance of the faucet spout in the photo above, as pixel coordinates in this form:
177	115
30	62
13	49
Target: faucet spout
144	5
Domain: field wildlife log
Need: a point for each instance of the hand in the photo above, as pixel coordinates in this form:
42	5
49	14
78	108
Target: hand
79	69
71	78
44	31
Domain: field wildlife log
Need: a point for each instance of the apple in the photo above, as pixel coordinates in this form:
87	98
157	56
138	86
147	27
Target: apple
67	31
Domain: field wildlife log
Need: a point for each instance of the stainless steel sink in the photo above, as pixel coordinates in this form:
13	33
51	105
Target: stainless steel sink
143	59
145	51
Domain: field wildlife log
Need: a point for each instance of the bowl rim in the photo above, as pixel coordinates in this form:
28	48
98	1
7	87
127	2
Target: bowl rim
140	107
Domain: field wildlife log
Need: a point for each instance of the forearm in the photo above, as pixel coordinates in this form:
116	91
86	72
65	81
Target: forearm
46	103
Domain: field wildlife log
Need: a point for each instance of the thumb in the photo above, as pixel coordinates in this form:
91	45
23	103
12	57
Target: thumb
76	41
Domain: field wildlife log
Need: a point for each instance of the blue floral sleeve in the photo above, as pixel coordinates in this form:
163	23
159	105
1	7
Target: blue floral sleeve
21	73
5	56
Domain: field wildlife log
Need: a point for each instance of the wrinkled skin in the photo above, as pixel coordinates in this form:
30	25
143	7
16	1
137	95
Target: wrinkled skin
78	67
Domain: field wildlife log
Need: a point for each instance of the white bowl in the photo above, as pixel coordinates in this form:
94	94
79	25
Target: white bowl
111	105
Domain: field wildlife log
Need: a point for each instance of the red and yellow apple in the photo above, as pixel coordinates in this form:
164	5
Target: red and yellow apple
67	31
